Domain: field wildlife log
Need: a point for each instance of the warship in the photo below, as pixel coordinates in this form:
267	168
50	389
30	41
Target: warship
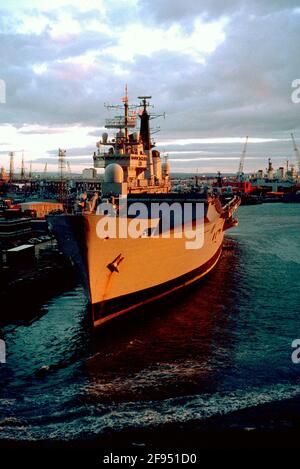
129	257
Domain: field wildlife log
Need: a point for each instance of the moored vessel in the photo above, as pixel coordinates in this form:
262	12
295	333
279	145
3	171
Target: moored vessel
138	241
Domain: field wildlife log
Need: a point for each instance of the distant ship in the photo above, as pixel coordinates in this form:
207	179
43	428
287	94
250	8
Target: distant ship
292	197
123	273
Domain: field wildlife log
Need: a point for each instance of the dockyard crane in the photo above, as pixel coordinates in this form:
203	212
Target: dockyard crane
61	162
242	160
22	167
62	171
11	165
297	154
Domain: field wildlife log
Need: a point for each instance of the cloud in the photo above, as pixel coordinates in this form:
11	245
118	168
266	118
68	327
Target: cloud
97	132
81	161
168	11
41	130
218	70
76	151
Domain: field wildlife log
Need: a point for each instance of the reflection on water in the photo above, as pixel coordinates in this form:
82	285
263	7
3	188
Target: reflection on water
173	348
221	345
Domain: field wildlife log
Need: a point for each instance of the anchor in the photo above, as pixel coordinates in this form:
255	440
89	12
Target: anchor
113	266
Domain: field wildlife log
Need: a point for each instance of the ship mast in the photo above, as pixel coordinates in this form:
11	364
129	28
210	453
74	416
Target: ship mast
125	100
145	127
120	122
145	134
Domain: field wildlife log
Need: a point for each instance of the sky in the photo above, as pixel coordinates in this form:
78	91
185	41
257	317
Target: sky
219	70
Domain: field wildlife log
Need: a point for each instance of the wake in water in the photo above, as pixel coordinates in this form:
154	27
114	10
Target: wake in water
90	422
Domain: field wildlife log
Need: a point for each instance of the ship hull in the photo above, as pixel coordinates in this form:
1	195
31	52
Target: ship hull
107	310
123	274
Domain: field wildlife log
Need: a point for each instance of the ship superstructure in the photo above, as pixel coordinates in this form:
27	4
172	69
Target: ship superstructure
143	170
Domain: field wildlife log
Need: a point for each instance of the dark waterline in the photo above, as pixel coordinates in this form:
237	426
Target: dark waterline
221	346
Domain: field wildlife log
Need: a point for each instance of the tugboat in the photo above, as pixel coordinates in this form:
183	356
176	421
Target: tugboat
135	244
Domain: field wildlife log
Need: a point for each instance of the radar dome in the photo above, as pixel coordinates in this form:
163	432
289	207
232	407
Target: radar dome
114	173
166	167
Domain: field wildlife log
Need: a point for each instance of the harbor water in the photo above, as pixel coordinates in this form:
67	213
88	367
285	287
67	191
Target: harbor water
222	346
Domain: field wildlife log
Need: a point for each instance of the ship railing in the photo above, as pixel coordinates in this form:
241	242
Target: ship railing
231	206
